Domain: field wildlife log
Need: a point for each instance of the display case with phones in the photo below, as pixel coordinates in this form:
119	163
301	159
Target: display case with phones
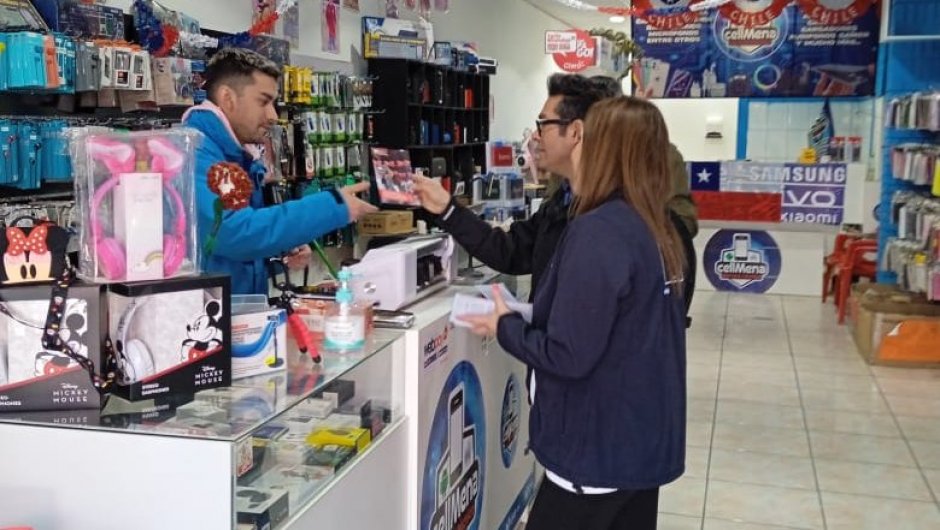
288	449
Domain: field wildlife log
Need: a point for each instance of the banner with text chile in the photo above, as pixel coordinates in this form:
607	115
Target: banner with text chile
756	48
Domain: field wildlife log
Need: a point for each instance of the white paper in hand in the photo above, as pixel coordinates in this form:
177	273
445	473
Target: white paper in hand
467	305
514	305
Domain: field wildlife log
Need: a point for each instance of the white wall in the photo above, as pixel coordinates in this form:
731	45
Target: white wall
511	31
686	120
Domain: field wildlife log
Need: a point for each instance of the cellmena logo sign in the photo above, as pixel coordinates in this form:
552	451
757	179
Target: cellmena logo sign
452	492
742	261
750	42
742	271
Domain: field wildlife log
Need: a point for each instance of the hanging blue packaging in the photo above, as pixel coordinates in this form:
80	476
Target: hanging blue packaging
55	166
8	154
29	150
4	62
65	54
27	64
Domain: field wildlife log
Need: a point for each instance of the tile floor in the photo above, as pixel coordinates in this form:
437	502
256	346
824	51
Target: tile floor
789	428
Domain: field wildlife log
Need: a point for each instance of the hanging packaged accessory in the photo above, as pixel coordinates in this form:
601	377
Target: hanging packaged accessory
50	57
4	62
27	60
29	148
9	156
65	56
122	59
87	67
106	66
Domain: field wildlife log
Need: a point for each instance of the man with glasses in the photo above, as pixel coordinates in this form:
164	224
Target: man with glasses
528	246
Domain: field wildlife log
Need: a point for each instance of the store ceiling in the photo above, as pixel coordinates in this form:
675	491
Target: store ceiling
576	17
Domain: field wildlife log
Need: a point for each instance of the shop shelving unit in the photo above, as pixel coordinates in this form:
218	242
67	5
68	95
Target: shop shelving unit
433	111
908	61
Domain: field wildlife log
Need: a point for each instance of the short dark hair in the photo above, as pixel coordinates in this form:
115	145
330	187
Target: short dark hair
578	94
608	86
235	67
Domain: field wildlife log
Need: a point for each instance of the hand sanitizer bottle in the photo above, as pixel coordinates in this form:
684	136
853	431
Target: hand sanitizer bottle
344	326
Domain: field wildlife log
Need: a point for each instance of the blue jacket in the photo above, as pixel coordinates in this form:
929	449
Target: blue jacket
248	236
608	348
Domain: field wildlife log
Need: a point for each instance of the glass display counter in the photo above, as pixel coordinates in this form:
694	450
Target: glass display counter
267	450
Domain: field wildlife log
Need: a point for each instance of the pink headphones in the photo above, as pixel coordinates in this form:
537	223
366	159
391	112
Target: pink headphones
121	158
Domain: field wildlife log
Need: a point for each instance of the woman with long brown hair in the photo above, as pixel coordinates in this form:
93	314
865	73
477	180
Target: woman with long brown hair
607	337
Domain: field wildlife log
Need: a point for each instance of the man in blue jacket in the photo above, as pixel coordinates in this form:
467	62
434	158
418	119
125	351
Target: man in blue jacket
242	88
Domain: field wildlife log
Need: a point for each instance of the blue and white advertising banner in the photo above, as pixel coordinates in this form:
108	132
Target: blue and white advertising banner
802	193
474	472
757	48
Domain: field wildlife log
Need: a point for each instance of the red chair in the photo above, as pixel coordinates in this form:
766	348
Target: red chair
857	263
832	262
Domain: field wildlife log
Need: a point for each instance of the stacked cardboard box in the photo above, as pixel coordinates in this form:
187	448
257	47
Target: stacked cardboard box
894	327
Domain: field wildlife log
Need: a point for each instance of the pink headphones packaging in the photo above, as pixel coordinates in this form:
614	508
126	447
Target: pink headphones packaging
170	337
137	196
33	378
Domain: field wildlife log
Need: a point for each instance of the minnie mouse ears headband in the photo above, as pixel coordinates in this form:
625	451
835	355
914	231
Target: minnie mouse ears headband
121	157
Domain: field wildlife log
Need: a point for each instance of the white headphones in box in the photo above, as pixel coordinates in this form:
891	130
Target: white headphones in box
134	360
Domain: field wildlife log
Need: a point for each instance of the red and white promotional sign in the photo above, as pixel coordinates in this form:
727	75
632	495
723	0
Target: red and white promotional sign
835	11
579	58
751	13
560	42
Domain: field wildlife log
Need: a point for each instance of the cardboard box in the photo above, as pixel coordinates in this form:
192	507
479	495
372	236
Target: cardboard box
392	38
387	223
895	327
354	438
171	337
35	379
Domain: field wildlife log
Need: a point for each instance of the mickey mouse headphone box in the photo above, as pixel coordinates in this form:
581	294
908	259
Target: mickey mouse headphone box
33	378
170	337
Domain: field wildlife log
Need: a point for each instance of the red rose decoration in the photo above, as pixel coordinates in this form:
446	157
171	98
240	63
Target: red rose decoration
232	184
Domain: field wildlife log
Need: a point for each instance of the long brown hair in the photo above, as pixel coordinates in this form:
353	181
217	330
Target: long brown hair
625	152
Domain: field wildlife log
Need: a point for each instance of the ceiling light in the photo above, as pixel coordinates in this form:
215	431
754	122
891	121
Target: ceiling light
617	19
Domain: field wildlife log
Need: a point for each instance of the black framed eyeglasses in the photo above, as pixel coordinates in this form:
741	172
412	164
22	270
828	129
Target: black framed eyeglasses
539	124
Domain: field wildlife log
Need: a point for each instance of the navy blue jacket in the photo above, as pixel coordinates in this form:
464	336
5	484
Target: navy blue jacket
608	348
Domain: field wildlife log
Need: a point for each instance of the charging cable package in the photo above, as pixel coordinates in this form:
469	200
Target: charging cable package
259	339
136	194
